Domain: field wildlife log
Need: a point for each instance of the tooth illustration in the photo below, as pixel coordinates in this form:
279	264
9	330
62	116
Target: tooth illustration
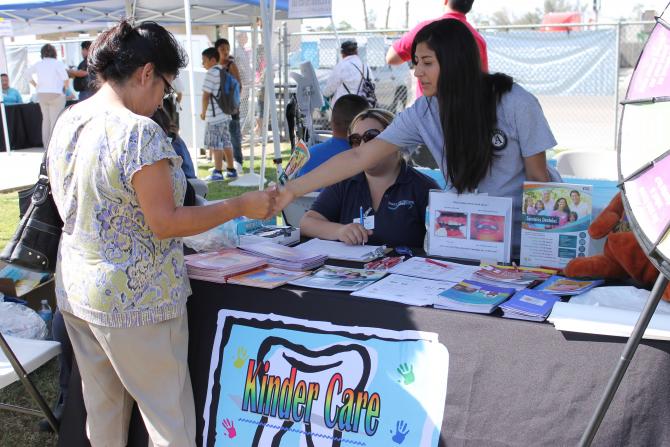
288	388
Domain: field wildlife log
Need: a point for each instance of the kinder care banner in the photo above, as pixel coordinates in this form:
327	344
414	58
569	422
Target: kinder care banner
279	381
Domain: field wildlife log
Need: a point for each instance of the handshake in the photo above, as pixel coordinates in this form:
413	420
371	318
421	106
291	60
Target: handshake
264	204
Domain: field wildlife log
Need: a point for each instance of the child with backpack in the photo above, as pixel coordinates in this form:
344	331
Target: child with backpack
217	134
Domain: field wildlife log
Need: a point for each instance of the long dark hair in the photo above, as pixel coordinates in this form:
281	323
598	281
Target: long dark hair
467	99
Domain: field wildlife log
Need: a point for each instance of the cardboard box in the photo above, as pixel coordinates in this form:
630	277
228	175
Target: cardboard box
45	291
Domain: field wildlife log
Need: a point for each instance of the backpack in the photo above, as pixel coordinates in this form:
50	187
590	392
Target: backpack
228	96
366	88
82	84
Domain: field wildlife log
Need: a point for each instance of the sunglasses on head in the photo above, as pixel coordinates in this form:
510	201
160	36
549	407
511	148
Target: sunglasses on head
356	139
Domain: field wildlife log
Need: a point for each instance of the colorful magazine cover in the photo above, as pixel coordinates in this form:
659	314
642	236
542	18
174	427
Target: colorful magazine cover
554	221
477	293
529	304
24	280
330	277
558	285
518	275
266	278
299	157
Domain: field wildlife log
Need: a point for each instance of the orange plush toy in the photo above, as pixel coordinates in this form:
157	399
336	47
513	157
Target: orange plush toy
622	256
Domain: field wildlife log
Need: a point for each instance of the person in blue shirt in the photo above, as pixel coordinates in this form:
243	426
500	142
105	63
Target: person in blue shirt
344	111
392	196
9	95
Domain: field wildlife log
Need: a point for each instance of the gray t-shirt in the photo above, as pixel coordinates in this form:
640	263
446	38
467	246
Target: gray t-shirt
521	131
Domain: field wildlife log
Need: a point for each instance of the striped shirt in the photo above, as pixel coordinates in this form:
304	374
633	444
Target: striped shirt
211	85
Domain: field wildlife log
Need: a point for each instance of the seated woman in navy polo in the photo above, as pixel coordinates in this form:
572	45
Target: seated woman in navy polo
393	197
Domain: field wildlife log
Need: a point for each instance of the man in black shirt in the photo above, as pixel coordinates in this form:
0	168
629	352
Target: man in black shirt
82	80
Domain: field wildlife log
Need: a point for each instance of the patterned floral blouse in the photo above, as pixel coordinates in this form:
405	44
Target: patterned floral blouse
112	270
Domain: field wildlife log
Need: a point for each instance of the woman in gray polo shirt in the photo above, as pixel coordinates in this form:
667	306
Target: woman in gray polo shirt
486	133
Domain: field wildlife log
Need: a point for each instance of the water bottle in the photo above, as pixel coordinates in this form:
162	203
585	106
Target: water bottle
47	315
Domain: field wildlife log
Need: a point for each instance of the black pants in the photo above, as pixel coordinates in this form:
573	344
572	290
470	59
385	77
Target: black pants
65	357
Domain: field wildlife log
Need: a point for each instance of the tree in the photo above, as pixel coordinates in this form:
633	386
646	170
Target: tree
501	18
388	13
365	14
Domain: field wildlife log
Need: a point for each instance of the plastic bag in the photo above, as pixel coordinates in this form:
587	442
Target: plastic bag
223	236
21	321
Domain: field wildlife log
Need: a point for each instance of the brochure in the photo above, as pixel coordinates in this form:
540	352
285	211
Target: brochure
405	289
434	269
559	285
529	304
518	277
473	296
24	280
554	221
345	279
266	278
298	158
342	251
469	226
220	265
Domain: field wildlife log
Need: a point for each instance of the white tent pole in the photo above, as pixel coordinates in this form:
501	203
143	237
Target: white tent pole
3	111
191	82
252	95
4	125
266	118
269	78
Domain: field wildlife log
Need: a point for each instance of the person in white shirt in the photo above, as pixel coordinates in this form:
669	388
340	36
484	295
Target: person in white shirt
347	76
52	82
582	209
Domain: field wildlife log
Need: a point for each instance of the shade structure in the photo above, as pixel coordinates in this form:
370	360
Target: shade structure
644	147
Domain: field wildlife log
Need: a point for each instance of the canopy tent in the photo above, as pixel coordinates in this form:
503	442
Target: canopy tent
44	16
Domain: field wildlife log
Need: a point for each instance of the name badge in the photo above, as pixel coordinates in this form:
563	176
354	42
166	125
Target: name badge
368	222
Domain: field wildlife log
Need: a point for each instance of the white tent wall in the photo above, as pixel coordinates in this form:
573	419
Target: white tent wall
77	15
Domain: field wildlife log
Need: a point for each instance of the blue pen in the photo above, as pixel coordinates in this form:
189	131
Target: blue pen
362	221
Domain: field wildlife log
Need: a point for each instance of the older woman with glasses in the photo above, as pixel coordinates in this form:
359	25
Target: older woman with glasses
391	196
121	281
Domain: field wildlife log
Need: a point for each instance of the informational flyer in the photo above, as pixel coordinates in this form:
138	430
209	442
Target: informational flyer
281	381
554	223
469	226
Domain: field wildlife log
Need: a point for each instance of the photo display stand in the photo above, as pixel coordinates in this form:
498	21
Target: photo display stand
644	175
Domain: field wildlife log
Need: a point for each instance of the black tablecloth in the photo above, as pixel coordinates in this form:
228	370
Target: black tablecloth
510	382
24	123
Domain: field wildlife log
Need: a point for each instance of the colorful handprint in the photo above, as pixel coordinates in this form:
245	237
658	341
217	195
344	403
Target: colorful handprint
242	357
230	428
401	432
406	371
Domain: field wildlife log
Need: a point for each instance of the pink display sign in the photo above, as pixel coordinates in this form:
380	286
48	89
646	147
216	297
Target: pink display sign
652	76
649	199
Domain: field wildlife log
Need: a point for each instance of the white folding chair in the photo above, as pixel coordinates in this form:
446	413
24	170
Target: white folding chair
588	164
296	209
18	358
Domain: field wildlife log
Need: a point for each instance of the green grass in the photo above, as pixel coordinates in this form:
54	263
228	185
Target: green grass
18	429
9	217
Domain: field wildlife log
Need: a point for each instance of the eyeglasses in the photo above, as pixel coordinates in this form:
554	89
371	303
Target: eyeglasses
168	89
356	139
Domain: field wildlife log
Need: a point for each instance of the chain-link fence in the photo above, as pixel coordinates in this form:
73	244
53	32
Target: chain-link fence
579	73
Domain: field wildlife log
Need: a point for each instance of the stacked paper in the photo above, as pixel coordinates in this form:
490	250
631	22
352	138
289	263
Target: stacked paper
279	256
473	296
220	265
330	277
406	290
512	276
529	304
558	285
266	277
342	251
